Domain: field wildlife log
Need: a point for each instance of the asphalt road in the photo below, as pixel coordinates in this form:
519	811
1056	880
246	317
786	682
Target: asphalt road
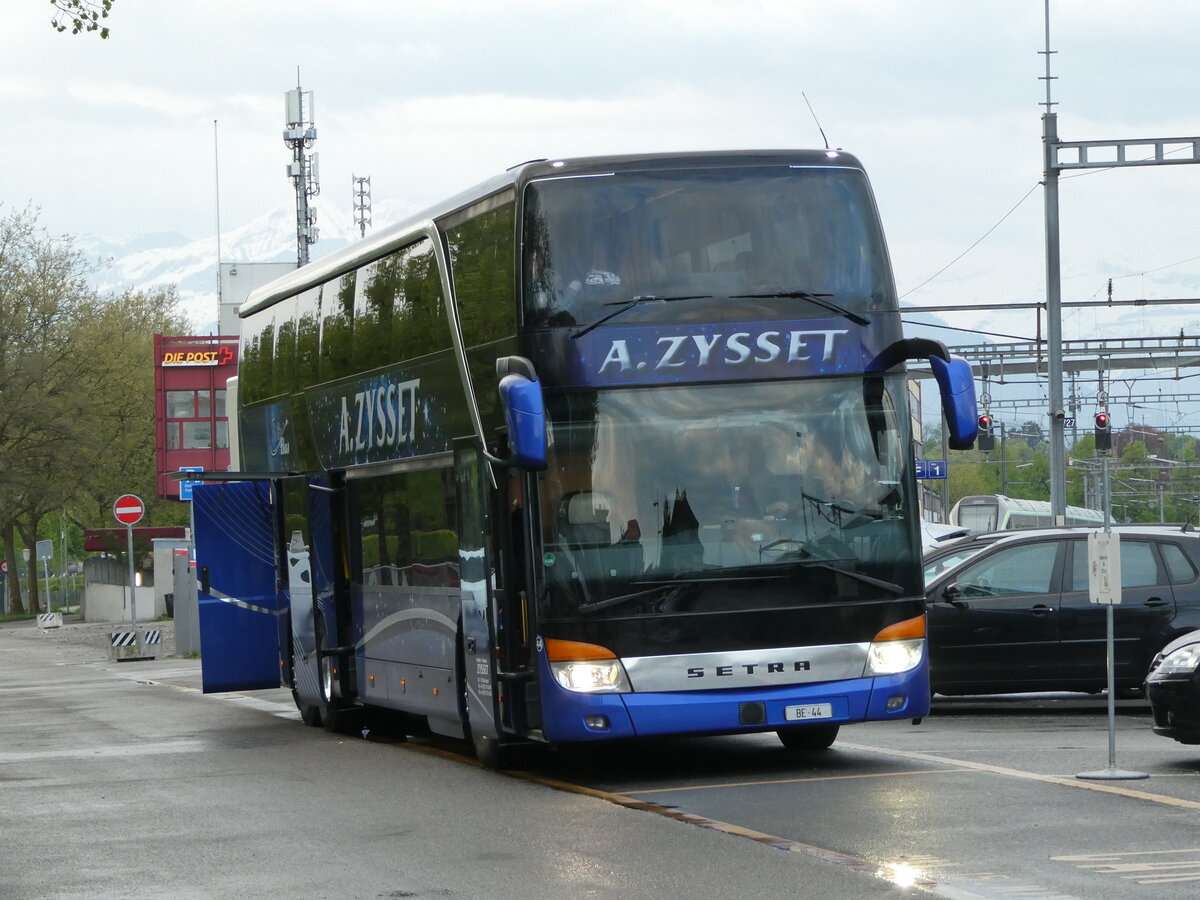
119	779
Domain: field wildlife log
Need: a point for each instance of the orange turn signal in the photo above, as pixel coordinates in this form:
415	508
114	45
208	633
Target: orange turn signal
903	630
562	651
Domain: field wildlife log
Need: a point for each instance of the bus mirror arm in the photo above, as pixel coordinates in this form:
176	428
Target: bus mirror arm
955	382
524	414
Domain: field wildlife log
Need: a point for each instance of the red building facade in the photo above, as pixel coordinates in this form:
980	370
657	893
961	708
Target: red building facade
190	411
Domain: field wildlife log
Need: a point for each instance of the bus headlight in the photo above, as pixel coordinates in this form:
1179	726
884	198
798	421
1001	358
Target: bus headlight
586	668
897	648
893	657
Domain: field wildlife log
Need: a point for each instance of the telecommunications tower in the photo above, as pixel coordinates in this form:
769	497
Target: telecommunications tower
299	135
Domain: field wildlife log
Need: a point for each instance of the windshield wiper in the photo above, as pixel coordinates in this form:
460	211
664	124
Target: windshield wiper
889	586
669	589
622	305
821	300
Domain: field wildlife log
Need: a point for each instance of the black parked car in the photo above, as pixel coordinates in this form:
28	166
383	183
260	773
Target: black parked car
1009	612
1173	688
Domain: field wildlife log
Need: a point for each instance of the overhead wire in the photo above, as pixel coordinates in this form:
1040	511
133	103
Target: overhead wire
974	245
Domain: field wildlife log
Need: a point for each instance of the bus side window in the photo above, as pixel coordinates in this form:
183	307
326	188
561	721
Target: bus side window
482	262
337	319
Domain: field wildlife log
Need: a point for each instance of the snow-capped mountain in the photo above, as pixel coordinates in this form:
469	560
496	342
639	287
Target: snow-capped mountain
153	260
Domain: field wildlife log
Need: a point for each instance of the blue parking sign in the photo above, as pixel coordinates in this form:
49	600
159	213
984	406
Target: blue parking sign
185	487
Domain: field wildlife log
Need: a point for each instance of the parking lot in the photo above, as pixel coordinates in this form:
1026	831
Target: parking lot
128	767
980	800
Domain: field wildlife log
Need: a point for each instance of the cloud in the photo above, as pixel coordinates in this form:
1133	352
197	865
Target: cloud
138	97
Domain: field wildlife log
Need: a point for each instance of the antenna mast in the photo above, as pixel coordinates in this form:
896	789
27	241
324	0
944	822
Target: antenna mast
299	135
1058	413
217	190
362	202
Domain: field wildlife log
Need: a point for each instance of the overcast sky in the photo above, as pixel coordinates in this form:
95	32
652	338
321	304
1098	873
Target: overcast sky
939	98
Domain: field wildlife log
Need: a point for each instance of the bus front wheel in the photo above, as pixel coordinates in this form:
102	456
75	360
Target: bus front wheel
332	715
489	751
309	713
808	737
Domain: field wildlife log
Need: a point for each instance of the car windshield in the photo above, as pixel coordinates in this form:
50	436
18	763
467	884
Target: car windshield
731	496
938	564
789	241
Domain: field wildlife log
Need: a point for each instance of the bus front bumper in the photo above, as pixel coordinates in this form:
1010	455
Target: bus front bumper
573	716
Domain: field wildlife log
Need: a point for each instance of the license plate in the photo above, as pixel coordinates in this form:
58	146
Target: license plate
810	711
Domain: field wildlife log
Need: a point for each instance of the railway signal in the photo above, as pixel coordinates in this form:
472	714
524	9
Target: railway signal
1103	431
986	440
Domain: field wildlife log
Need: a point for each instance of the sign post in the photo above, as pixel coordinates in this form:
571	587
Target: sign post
137	643
129	510
45	553
1104	587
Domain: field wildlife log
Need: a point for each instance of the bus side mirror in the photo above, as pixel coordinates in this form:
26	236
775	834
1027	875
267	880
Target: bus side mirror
953	374
957	387
524	413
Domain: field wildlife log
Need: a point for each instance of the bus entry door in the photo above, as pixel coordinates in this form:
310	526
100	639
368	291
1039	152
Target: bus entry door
240	601
308	551
494	630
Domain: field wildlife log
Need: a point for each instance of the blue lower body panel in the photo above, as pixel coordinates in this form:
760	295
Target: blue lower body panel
572	716
240	647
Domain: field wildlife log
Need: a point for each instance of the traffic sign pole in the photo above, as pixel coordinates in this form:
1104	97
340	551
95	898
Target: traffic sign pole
129	510
1104	565
132	579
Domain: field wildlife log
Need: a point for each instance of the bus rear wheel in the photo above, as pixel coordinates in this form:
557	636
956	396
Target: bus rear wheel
808	737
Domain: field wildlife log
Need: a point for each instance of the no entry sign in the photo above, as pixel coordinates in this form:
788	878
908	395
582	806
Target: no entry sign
129	509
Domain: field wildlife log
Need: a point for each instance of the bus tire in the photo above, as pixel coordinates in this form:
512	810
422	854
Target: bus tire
330	711
310	714
808	737
489	751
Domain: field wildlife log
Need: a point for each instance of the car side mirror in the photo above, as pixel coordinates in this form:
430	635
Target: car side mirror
952	594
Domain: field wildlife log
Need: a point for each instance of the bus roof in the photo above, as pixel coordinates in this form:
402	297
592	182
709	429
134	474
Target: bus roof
516	177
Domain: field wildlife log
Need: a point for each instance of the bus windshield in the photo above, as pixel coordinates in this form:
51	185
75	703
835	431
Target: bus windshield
793	235
717	498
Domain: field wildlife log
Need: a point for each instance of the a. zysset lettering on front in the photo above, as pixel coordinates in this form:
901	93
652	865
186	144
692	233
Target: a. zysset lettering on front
738	348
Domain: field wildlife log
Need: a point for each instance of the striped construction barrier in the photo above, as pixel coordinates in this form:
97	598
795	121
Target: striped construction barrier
50	620
139	644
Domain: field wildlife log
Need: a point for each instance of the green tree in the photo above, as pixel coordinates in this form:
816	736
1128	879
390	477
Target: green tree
115	337
81	15
42	289
76	389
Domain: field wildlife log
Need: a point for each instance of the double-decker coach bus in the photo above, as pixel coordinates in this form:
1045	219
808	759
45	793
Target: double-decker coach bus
603	448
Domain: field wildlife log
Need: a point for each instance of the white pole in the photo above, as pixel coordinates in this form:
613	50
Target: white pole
132	580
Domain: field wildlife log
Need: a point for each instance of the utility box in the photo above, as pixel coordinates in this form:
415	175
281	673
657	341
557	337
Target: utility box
137	643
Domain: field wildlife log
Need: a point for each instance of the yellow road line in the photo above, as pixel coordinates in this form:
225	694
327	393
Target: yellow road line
737	784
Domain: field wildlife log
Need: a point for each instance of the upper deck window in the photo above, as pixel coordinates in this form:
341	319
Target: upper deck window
706	234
